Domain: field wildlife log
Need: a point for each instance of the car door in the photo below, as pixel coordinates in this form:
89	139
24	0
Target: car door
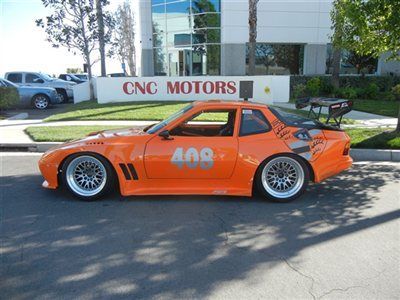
192	157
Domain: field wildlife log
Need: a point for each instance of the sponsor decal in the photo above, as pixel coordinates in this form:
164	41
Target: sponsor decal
281	130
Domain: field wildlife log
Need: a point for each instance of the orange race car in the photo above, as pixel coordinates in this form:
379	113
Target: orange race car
253	146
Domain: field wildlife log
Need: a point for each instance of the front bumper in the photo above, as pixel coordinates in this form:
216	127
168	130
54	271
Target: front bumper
70	93
50	173
54	98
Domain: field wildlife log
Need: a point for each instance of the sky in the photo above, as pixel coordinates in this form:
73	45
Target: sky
23	45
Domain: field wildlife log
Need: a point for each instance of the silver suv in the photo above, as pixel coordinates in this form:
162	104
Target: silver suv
63	88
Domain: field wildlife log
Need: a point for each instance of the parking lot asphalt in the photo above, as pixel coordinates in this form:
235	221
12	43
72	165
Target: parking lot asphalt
340	240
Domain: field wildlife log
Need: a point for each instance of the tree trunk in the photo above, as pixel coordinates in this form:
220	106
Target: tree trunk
100	24
252	35
398	121
335	67
89	69
131	59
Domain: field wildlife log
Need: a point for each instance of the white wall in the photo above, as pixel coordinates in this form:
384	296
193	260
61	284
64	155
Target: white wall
278	21
82	91
112	89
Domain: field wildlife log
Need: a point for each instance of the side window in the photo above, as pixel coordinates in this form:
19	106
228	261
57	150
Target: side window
253	122
212	123
15	77
31	78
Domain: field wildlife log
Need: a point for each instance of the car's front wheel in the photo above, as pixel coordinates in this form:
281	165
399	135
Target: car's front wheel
40	101
87	176
282	178
62	94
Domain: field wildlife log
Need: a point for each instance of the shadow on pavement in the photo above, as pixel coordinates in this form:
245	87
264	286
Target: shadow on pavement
176	247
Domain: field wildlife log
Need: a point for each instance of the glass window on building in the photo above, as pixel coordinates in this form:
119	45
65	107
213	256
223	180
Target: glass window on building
186	37
277	59
351	63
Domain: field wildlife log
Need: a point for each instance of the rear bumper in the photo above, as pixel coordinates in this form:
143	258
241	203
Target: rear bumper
335	167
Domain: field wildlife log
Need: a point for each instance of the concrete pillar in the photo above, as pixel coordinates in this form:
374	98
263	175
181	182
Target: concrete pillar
314	59
144	37
233	59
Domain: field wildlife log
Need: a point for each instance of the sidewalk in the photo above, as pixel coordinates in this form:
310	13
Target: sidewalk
12	131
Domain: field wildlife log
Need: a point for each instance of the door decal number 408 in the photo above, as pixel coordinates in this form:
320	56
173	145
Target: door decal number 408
192	158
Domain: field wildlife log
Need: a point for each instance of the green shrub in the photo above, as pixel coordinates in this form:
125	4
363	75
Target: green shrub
384	83
313	86
371	91
396	91
8	97
299	91
327	89
387	96
347	93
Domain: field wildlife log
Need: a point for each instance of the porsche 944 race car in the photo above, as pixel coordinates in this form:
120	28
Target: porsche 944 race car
253	146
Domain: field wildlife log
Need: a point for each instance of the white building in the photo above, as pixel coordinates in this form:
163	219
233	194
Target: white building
208	37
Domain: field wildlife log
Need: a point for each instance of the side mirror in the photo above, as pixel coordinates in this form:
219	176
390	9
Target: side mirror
165	135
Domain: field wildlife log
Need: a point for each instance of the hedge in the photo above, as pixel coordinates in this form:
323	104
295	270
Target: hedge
8	97
384	83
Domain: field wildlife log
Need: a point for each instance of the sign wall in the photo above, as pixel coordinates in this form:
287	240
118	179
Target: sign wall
266	89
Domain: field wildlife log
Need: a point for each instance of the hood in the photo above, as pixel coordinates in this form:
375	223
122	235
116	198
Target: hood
105	134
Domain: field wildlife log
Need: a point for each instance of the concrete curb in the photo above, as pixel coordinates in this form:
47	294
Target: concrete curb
28	147
375	155
356	154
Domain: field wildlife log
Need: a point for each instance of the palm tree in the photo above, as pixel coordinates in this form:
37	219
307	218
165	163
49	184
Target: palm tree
252	35
100	24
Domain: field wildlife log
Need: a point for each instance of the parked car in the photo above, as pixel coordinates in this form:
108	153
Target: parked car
38	97
82	76
71	78
63	88
116	75
254	147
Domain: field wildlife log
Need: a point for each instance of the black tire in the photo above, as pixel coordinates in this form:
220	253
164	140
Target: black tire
40	101
62	94
269	184
72	184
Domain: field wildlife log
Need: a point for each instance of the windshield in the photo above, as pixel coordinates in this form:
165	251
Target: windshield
46	77
171	118
73	77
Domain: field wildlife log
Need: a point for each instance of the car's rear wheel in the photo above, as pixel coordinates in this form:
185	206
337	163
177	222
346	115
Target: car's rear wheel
87	176
40	101
282	178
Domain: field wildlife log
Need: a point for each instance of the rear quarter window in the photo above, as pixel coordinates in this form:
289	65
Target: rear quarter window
253	121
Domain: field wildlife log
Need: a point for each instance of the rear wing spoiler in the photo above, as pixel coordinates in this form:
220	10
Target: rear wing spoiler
336	108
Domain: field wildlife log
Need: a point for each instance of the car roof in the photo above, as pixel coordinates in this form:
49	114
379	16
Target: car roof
230	103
